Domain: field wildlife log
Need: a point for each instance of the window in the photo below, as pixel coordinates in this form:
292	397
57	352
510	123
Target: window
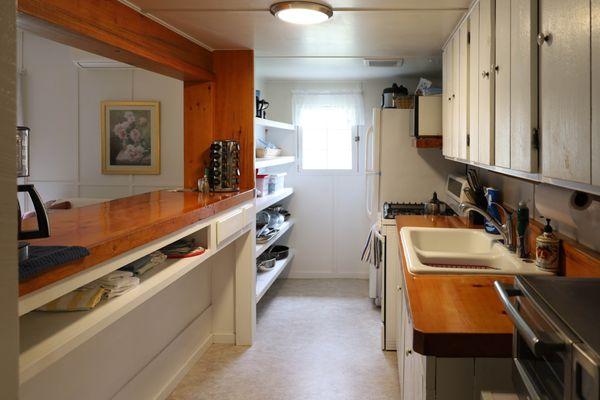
328	125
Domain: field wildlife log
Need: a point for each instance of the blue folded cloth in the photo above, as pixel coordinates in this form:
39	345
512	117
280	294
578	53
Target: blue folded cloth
42	258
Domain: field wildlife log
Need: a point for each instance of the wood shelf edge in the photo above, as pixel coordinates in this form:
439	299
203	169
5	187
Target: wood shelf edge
428	142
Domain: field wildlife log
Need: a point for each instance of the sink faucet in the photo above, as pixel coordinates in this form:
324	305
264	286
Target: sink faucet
506	229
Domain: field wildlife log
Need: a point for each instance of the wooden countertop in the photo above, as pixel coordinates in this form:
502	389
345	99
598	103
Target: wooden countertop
114	227
454	315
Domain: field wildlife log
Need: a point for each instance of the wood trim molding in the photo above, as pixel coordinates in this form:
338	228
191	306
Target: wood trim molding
111	29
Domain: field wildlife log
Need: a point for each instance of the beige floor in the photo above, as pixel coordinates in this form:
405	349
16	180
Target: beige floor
316	339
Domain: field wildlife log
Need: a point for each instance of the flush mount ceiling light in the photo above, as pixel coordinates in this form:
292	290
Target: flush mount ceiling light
301	12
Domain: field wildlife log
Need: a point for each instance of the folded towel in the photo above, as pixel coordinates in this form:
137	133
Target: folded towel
82	299
42	258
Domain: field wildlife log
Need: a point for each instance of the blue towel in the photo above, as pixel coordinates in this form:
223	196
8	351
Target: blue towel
42	258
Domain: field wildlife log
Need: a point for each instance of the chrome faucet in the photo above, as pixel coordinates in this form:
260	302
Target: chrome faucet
506	229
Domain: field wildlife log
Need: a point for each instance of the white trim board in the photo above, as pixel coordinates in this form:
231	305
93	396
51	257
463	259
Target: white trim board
328	275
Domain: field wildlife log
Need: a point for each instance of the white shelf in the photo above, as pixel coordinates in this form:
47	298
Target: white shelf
273	161
267	123
48	336
264	280
270	199
260	248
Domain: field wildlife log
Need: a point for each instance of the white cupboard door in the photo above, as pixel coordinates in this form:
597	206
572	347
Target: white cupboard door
501	71
455	93
565	89
400	333
596	92
474	85
486	82
447	101
523	85
463	100
409	384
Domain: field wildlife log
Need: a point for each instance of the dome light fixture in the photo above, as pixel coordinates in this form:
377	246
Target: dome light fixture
301	12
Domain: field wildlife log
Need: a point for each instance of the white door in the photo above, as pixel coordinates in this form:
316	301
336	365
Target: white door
474	85
596	92
372	166
456	94
501	72
523	85
463	99
565	98
486	82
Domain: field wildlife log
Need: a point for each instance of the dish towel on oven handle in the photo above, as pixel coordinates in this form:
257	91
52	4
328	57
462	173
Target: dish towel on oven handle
373	251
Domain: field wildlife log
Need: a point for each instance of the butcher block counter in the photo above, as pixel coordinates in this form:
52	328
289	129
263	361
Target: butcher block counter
454	315
112	228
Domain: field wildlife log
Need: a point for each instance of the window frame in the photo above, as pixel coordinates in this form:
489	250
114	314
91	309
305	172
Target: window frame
355	130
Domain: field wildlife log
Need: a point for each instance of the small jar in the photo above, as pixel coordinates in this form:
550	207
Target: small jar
547	249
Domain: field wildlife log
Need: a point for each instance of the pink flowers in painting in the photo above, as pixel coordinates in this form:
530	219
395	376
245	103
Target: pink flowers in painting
130	140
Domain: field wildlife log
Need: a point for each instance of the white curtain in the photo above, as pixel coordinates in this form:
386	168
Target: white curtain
348	105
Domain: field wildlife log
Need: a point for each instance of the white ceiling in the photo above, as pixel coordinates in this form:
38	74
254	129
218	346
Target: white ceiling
411	29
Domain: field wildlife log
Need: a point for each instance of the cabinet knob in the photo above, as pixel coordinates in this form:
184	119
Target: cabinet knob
543	38
398	287
485	74
408	352
496	68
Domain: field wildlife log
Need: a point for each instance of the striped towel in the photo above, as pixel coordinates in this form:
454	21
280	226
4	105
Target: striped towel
373	252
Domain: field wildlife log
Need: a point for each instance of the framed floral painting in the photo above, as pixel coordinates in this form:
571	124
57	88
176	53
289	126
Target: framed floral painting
130	133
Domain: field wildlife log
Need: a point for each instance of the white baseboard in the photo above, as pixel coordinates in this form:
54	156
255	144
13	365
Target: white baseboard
328	275
223	338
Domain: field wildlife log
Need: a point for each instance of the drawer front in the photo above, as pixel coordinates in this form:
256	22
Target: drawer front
249	213
229	224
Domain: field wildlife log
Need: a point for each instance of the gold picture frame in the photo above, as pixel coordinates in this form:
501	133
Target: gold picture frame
130	135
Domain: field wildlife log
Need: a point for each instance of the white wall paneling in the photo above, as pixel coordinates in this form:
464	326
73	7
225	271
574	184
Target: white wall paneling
501	72
565	90
61	105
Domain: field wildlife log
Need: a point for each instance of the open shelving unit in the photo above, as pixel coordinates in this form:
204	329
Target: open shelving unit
273	161
264	280
270	199
262	247
47	336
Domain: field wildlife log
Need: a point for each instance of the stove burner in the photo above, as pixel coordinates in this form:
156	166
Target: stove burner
391	210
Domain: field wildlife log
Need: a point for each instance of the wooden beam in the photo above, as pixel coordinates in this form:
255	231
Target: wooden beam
111	29
234	106
198	126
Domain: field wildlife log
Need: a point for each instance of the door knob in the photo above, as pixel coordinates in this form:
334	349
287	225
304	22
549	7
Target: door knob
543	38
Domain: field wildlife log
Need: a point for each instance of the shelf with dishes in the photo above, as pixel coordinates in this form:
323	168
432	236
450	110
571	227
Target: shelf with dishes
267	123
271	199
265	279
262	247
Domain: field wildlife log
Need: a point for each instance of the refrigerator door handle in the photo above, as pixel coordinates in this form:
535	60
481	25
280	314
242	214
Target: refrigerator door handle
368	135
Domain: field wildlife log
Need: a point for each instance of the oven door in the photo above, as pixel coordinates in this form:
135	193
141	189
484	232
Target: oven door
541	351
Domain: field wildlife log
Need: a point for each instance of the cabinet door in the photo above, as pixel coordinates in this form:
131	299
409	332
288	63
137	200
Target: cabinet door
463	99
455	93
474	85
502	78
447	105
596	92
565	89
523	85
411	380
400	334
486	82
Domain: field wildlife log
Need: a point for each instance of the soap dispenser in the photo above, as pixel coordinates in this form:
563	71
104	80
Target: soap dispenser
547	249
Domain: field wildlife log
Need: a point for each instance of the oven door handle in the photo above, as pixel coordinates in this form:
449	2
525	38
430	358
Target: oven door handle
533	341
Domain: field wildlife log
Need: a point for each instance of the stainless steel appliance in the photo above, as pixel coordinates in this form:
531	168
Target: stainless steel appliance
556	342
224	166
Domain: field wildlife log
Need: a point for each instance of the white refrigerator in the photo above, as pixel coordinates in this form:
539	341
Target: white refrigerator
395	172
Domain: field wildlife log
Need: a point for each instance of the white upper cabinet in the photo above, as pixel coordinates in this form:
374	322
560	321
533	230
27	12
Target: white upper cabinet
456	95
463	98
523	86
486	82
474	85
501	71
565	98
596	92
447	102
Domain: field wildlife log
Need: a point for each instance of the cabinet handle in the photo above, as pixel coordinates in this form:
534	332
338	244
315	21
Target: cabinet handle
408	352
496	68
485	74
543	38
398	287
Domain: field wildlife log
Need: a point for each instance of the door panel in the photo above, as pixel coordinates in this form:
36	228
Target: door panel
501	71
523	85
463	100
447	101
565	90
455	94
486	82
474	85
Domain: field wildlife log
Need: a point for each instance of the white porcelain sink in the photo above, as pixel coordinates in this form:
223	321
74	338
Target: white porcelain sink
460	251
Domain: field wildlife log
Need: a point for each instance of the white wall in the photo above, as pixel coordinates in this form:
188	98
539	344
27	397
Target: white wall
9	329
61	105
331	225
